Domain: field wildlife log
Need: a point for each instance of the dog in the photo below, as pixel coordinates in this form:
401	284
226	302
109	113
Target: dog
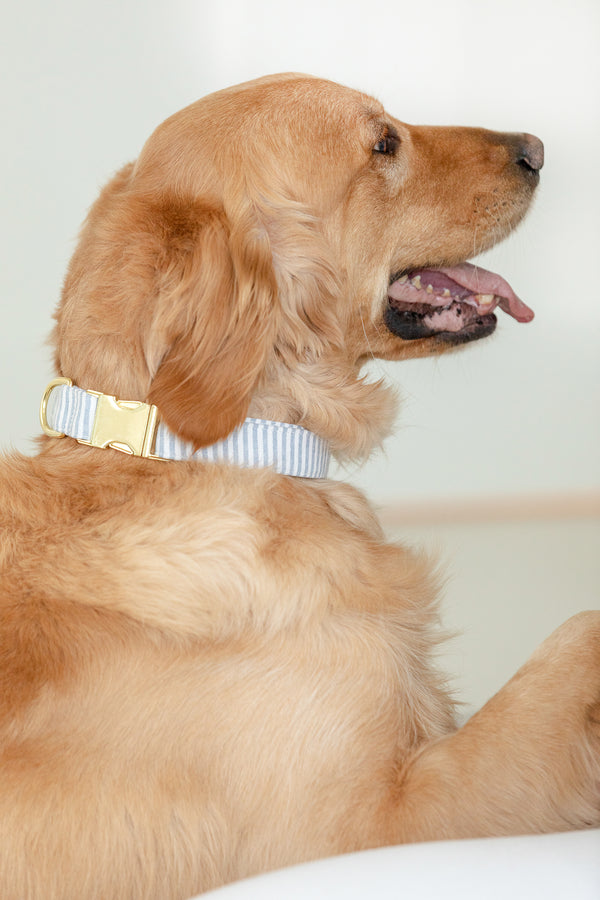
212	662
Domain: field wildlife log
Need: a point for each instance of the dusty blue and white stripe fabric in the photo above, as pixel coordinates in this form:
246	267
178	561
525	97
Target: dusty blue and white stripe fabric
256	443
72	411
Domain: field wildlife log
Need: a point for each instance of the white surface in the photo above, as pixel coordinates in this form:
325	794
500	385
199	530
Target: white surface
84	83
553	867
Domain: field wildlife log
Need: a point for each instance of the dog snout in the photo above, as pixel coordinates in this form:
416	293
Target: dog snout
529	152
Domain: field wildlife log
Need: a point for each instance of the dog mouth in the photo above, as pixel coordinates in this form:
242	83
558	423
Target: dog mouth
454	304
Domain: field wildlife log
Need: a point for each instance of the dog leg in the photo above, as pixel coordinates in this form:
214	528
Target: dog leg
528	761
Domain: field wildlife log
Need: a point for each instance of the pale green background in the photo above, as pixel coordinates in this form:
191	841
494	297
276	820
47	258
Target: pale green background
84	83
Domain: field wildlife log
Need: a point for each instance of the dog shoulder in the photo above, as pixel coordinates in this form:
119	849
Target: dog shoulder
211	552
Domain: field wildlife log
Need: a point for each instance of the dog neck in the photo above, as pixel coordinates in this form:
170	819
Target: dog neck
133	427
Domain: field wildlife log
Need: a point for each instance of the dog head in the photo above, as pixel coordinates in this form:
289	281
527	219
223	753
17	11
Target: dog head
274	236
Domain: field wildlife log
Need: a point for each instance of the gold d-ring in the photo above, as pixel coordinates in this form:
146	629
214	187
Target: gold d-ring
56	382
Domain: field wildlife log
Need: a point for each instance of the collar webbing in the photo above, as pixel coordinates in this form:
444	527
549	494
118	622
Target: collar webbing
133	427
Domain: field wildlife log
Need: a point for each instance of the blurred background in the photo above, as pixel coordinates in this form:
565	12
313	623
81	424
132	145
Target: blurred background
495	462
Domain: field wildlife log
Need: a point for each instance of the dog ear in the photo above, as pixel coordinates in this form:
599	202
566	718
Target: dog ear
216	320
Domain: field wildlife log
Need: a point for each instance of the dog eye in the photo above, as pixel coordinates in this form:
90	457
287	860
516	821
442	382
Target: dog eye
388	144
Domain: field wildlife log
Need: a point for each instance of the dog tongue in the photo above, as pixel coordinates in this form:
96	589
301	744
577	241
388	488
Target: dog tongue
474	280
480	281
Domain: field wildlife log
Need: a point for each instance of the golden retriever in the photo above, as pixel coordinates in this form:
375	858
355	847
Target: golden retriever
210	669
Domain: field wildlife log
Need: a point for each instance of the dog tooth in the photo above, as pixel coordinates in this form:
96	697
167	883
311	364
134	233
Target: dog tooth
403	280
416	281
446	293
430	289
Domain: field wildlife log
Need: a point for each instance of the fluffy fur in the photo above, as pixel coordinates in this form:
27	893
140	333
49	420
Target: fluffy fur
206	671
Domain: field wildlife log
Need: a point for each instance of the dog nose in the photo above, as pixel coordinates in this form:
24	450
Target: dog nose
529	152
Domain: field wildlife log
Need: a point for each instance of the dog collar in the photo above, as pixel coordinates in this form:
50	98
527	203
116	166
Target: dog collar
133	427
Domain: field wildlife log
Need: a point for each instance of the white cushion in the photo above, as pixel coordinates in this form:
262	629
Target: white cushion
549	867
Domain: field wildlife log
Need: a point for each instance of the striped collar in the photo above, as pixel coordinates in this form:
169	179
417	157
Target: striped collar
133	427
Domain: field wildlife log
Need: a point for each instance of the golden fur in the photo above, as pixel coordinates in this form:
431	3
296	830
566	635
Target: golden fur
208	671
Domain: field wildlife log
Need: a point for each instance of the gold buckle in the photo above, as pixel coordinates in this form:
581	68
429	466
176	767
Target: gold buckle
125	425
44	406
